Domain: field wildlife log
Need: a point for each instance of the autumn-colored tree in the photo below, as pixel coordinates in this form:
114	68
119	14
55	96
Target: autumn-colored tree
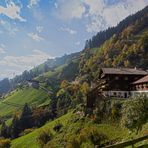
64	84
85	88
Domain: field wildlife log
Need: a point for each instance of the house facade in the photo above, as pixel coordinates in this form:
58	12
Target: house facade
119	83
116	82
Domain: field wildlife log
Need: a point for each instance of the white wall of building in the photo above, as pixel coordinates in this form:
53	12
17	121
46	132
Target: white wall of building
120	94
125	94
139	93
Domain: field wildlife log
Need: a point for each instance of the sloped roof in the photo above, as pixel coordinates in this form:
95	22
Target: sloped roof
142	80
124	71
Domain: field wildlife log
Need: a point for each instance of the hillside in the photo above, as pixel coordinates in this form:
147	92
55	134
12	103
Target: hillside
115	47
15	101
128	48
98	39
71	124
59	114
56	66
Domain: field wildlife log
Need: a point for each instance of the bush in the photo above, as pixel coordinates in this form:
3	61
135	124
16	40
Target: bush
27	131
134	113
86	135
5	143
73	142
96	137
57	127
116	110
44	137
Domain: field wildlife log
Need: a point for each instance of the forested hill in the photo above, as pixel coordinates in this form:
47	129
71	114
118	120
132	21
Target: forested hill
64	84
102	36
127	47
56	66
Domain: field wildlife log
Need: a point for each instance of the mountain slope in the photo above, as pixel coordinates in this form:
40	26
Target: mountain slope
102	36
51	65
15	101
128	48
74	127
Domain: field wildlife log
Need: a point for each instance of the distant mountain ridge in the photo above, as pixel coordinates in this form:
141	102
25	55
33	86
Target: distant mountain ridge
50	65
125	45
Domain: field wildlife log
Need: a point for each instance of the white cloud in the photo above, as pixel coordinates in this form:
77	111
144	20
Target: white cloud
70	31
35	37
95	6
17	64
39	29
12	11
102	15
98	13
69	9
7	73
33	3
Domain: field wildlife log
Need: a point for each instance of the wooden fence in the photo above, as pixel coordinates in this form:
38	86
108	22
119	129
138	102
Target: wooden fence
128	143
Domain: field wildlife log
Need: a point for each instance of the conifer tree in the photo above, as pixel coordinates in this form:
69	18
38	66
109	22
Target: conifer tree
26	117
4	130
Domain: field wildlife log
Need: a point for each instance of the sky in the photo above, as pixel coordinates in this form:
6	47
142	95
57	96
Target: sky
32	31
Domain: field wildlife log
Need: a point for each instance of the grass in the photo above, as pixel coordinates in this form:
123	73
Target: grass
31	96
70	128
51	74
29	140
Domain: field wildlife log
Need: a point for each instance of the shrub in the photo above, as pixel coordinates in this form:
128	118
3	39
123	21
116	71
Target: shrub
5	143
27	131
73	142
57	127
116	110
134	113
44	137
96	137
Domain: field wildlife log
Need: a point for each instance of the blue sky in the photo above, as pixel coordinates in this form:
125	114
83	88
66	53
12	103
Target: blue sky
32	31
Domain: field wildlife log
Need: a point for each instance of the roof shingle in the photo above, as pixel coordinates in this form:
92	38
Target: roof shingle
124	71
142	80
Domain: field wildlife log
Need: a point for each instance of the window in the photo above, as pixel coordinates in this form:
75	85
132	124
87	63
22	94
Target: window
116	78
125	95
115	93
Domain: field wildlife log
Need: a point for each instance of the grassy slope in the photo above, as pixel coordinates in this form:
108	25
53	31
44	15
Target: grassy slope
27	95
112	131
51	74
29	140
